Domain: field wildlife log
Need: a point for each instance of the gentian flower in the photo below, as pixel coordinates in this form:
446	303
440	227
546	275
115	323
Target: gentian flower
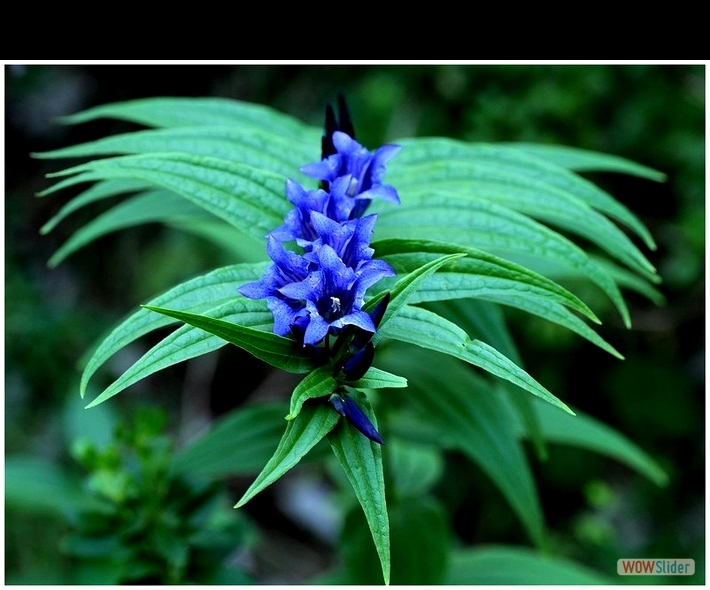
334	293
320	291
288	267
359	171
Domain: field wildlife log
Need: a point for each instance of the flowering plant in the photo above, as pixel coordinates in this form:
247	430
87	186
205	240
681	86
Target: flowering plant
460	230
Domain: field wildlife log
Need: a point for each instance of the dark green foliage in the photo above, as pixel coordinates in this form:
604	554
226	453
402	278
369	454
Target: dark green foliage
515	197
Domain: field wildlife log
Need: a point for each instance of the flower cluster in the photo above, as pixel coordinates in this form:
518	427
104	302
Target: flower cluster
320	291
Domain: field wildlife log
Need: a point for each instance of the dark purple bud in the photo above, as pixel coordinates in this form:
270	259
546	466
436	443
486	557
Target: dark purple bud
359	363
362	337
378	313
331	125
345	123
342	123
346	407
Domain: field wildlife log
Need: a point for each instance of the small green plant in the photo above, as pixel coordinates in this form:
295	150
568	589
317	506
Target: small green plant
384	313
135	518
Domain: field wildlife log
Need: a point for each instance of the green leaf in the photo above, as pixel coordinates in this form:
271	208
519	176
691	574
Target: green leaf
186	112
187	342
485	276
438	159
308	428
414	467
97	192
587	433
316	384
454	279
471	416
247	145
428	330
361	459
235	244
485	321
279	352
629	280
377	379
582	160
237	444
40	486
151	206
541	202
421	541
404	288
498	565
201	293
251	199
497	230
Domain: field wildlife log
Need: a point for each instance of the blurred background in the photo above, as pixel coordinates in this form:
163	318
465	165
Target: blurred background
597	511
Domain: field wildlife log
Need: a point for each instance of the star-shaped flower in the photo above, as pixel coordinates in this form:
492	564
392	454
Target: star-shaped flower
358	171
333	294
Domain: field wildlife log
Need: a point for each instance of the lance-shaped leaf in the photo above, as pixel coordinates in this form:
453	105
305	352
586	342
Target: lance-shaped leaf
147	207
279	352
361	459
187	112
251	199
564	212
485	321
377	379
311	425
421	544
429	330
509	565
489	277
497	230
405	288
252	146
585	432
468	414
199	294
431	159
239	443
234	244
406	255
185	343
97	192
316	384
582	160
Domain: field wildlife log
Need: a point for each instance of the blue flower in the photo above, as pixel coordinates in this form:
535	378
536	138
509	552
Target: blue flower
287	268
358	171
333	294
319	291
